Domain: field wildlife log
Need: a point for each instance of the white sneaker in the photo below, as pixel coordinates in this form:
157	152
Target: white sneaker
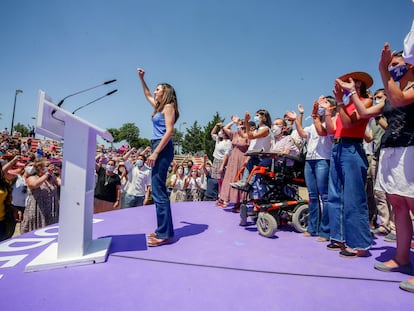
241	184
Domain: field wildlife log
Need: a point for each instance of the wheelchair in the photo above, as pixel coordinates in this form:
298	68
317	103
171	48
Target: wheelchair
279	202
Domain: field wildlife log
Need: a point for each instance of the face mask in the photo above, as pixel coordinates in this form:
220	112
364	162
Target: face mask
256	119
220	134
45	170
377	101
398	72
30	170
321	111
288	123
110	168
139	163
180	171
121	170
186	171
276	130
208	168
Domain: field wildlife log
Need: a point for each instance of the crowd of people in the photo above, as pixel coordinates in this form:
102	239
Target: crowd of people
357	155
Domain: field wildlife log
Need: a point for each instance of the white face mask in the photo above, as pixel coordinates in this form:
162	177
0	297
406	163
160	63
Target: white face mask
30	170
276	130
110	168
180	171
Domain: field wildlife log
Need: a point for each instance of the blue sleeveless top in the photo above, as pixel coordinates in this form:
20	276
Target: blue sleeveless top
158	126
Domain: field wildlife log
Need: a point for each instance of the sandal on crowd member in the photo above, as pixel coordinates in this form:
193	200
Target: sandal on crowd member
335	246
405	285
222	204
219	202
153	242
349	253
406	269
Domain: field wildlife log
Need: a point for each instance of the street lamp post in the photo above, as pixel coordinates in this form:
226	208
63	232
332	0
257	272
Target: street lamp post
14	109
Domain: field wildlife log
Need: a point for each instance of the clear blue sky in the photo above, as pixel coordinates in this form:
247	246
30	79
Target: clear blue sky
221	56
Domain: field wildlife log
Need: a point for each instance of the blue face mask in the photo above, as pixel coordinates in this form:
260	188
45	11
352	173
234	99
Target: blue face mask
139	163
256	119
321	111
398	72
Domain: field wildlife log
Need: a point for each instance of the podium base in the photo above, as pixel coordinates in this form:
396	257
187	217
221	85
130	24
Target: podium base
47	260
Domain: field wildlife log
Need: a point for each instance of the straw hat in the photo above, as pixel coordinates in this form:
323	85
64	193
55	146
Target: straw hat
360	76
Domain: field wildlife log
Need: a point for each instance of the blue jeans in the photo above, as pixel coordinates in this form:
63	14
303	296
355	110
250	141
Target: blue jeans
165	227
347	200
133	200
317	178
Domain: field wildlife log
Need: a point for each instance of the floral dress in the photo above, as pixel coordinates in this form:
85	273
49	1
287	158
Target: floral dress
42	207
234	164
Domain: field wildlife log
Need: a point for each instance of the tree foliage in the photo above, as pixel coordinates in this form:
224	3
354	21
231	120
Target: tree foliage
128	132
193	140
115	134
197	139
22	129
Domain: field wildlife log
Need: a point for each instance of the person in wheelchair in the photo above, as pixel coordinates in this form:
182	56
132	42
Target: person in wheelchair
281	144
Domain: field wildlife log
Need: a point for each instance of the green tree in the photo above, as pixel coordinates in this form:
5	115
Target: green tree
209	143
193	140
115	134
140	143
22	129
128	132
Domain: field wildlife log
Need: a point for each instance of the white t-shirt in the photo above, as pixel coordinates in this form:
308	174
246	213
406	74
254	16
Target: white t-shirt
139	179
222	147
318	147
262	143
19	192
179	182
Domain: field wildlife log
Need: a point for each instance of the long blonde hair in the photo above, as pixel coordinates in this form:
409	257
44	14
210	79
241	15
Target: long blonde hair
169	97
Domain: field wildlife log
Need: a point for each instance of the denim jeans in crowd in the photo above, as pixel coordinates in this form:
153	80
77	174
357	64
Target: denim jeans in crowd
133	200
317	178
159	173
347	200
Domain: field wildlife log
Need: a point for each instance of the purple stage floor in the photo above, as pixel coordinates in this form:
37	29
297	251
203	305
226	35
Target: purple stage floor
213	264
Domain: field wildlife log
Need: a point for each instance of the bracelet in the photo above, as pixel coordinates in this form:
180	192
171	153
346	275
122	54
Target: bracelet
352	93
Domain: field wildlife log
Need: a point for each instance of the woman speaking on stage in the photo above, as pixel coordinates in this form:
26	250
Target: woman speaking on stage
164	116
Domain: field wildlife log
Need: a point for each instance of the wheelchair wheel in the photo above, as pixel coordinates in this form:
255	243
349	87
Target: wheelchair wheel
266	224
300	218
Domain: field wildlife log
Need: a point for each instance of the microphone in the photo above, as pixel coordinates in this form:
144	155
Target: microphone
85	90
95	100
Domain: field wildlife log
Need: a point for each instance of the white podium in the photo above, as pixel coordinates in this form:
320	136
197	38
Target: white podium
75	245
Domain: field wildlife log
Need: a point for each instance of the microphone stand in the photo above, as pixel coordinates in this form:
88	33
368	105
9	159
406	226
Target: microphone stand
85	90
110	93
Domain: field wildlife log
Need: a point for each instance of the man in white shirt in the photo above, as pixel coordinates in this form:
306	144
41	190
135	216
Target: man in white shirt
139	186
